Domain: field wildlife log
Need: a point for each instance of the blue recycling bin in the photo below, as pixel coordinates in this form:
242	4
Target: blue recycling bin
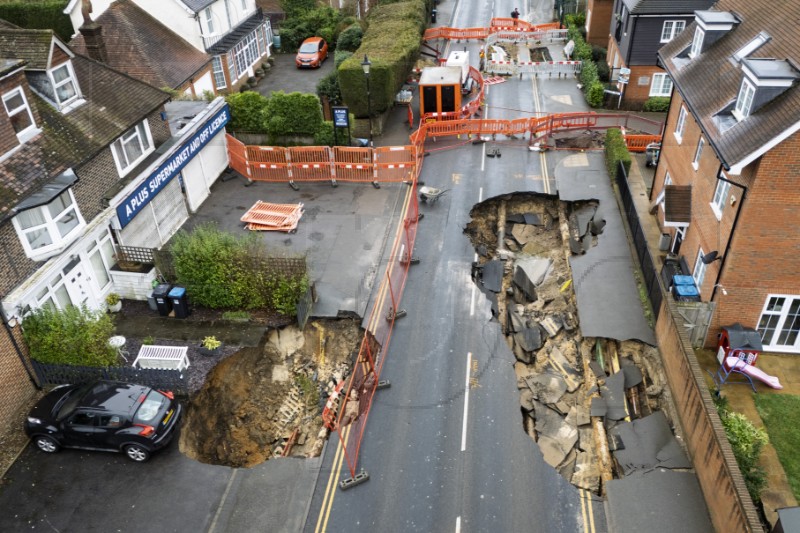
679	279
686	293
179	302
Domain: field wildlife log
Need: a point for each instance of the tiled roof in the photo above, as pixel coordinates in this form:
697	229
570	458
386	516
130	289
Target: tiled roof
114	103
197	5
142	47
710	82
665	7
30	45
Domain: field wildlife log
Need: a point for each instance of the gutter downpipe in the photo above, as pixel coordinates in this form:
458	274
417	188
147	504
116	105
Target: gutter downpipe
733	229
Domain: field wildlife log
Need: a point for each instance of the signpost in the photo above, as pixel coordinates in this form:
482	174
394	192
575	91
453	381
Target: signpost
341	120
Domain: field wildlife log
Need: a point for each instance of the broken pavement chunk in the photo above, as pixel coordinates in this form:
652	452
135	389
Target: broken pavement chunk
547	388
529	339
648	443
551	325
492	275
613	391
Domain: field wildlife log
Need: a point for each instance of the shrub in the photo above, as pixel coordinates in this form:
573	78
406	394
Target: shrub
328	87
286	292
309	21
747	441
616	150
72	336
324	135
293	114
350	39
248	112
657	104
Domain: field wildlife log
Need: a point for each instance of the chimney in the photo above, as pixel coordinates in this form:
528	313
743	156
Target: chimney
92	34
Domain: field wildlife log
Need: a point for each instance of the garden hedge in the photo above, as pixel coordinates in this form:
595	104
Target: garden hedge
616	150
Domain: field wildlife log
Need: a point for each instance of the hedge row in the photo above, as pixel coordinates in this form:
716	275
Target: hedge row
392	42
616	150
592	86
38	14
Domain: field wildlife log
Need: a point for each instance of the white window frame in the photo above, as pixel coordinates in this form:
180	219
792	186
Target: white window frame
781	316
658	84
70	79
50	225
102	249
680	124
218	71
671	29
720	197
697	42
135	134
30	131
209	16
744	101
588	19
699	272
662	195
698	153
246	53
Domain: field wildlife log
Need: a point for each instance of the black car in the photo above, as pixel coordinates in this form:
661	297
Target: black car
106	416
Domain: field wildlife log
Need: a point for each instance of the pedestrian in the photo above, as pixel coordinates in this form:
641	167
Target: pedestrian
515	15
482	59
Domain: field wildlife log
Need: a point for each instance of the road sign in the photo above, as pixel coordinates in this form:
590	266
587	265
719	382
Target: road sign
624	75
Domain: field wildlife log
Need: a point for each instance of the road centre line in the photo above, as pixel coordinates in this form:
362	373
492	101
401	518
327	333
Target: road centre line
466	404
222	502
458	524
330	489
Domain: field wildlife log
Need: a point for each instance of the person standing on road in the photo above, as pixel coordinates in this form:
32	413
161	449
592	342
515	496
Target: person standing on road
515	15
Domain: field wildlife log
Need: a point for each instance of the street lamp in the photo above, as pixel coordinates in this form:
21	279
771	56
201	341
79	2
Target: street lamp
365	65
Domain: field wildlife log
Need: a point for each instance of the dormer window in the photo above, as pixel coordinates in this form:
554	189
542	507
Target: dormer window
671	29
132	147
744	101
64	83
44	230
697	42
19	112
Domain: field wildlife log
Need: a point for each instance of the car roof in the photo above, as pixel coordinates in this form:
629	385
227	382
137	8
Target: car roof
113	396
313	40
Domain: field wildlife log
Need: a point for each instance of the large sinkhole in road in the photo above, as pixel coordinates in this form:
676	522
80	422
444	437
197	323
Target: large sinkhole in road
261	400
578	396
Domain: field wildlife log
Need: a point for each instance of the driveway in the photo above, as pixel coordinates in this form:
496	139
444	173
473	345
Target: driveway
284	76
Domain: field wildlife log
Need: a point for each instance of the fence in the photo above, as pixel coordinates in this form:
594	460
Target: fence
166	380
133	254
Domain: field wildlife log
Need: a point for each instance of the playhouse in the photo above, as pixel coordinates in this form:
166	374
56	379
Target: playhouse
737	352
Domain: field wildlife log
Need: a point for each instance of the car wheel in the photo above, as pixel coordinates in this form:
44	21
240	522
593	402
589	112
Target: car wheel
46	444
136	453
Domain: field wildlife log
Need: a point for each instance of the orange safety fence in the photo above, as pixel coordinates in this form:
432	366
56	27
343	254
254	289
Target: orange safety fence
496	25
638	143
268	154
348	154
237	156
310	154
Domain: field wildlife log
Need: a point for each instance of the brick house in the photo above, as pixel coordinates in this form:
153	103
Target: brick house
235	34
88	158
732	140
638	29
128	39
598	21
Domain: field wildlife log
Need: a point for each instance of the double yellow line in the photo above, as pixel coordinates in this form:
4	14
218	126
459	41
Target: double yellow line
341	446
586	511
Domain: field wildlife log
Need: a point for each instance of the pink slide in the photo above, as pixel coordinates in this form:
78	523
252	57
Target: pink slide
734	363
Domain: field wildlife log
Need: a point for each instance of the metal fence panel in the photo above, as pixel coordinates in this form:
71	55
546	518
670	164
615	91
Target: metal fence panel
167	380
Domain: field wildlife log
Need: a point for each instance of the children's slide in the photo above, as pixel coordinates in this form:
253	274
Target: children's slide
736	364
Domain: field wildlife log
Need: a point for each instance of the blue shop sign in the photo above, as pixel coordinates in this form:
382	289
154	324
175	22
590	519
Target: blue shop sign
341	118
148	190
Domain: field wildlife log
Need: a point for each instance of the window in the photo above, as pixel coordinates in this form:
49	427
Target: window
64	84
670	29
244	6
720	196
132	147
101	257
698	153
680	124
232	67
744	101
662	194
246	52
661	85
54	295
262	47
219	73
43	229
209	20
20	114
697	42
779	324
699	272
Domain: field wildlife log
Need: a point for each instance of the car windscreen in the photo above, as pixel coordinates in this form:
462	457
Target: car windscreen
150	408
308	48
70	401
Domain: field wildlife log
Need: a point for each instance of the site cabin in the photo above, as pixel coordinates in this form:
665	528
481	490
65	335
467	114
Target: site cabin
440	90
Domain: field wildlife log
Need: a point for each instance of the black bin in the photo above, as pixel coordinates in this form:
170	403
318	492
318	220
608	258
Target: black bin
161	296
433	16
177	297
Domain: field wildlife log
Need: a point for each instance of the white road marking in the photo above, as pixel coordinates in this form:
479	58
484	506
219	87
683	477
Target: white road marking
458	525
466	404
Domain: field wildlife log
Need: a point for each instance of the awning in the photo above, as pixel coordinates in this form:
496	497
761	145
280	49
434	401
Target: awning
49	192
677	205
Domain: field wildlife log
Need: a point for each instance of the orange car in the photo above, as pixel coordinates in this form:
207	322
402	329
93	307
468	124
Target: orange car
312	53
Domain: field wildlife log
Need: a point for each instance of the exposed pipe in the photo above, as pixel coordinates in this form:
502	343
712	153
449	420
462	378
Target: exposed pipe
17	349
731	233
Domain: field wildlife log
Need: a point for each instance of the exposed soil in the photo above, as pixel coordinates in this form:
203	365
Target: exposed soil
540	321
259	401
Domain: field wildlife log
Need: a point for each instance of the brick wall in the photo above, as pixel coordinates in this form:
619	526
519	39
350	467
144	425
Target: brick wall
724	490
600	23
14	264
635	93
15	386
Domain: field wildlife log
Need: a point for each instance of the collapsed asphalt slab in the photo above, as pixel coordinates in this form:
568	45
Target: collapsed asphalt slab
603	277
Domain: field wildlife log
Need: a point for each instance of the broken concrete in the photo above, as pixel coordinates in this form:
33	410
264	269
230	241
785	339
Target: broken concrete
547	388
648	443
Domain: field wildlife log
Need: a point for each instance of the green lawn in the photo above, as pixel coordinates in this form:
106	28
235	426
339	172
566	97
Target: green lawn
781	416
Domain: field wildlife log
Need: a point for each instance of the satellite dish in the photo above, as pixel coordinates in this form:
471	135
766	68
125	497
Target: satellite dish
710	257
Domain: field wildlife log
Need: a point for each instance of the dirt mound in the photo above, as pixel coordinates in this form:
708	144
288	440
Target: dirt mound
261	400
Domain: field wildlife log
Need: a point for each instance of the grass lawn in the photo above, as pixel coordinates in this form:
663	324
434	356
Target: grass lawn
781	416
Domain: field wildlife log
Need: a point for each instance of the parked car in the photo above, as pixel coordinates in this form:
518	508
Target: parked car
312	53
105	416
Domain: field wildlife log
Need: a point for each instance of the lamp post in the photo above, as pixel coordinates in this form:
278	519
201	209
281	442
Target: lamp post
365	65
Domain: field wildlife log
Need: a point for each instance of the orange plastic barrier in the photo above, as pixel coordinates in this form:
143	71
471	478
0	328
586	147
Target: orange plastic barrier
237	155
638	143
310	154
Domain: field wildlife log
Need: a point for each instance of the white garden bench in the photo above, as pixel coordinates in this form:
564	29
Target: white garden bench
162	357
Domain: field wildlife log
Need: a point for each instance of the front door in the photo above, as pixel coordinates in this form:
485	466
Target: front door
78	285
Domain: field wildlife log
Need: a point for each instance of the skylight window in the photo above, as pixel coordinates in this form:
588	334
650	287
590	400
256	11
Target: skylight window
759	40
